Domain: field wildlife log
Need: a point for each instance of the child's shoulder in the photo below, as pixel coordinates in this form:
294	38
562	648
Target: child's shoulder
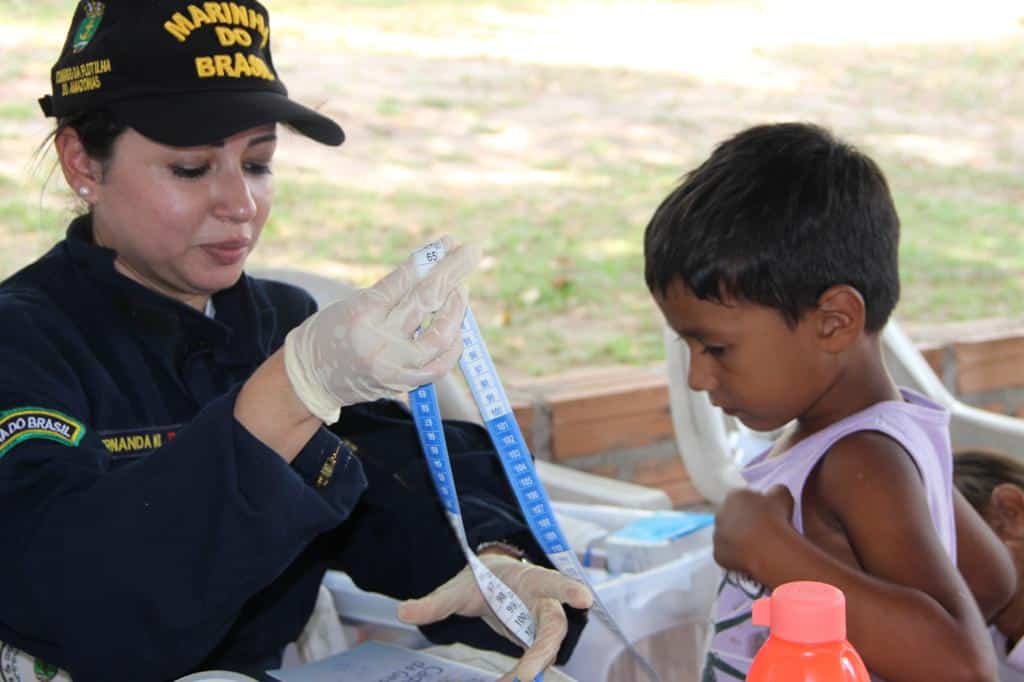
867	469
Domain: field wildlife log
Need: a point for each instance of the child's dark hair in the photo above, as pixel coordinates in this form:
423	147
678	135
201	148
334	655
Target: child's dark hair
976	473
775	216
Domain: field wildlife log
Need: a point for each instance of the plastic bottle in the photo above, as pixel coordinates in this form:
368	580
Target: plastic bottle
808	637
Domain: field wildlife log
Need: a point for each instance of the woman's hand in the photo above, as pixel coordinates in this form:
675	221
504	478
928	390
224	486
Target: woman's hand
747	525
361	348
541	589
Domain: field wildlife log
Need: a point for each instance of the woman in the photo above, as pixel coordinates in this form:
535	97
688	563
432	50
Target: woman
184	450
993	483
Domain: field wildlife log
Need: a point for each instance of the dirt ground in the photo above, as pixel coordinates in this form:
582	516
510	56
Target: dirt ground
539	107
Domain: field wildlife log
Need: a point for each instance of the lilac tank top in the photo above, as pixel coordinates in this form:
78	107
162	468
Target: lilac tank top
919	425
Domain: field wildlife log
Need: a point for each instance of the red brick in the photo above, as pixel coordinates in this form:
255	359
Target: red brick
683	493
653	470
524	417
990	365
997	407
585	376
669	474
576	439
641	392
935	356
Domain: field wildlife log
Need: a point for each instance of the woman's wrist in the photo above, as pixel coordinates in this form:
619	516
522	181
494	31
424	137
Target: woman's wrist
501	548
271	411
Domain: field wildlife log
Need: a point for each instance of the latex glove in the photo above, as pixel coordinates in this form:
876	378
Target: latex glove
541	589
360	348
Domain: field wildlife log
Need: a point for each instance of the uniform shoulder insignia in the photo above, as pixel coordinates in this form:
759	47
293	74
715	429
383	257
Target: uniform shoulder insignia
23	423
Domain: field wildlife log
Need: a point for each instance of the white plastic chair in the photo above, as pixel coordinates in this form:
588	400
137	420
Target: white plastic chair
712	444
969	427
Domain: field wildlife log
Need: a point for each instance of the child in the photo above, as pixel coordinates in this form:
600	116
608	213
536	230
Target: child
994	485
776	263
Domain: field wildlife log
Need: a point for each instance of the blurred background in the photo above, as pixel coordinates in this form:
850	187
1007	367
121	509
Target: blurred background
548	132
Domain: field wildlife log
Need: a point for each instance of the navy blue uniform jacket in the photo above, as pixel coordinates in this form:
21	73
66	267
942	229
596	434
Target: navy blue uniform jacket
145	534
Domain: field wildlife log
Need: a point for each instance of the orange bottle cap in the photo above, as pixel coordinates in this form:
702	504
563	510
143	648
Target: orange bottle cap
804	611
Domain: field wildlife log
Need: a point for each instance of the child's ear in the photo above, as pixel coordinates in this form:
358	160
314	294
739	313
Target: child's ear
840	317
1006	510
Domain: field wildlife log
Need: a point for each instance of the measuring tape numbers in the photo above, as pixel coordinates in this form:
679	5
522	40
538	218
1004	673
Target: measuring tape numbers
516	460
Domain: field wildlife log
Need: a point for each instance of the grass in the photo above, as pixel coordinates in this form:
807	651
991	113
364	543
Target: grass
553	160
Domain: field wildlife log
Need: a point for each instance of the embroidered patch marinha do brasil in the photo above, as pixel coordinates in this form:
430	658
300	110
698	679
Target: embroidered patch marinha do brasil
24	423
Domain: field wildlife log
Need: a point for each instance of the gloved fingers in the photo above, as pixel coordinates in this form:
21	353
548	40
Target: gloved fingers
446	327
455	267
432	352
393	287
405	379
544	583
552	626
443	363
455	596
414	364
430	293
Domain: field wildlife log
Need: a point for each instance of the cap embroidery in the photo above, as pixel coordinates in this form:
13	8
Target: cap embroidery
233	67
81	78
222	13
88	26
143	60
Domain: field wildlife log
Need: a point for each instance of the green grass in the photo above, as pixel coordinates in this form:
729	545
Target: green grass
554	169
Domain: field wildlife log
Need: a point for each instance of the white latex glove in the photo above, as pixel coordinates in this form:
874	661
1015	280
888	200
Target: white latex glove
360	348
541	589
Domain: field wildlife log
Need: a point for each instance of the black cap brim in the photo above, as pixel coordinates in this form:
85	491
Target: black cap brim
193	119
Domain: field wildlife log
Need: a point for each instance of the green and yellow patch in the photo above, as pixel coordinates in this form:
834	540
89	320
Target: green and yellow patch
88	26
24	423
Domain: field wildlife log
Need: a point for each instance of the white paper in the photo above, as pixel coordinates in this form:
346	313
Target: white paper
377	662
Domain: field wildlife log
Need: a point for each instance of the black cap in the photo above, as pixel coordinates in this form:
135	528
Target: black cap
181	73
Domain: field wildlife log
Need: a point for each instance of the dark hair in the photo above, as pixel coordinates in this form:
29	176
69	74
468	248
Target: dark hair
976	473
775	216
97	129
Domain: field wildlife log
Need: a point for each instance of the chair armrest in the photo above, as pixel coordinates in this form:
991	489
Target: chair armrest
571	485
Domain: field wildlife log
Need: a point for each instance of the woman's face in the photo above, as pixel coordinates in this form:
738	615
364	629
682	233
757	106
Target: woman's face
184	219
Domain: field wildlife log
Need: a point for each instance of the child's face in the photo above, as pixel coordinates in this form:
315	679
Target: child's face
752	364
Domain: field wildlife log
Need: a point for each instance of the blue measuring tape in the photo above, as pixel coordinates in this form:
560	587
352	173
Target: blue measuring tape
512	612
517	461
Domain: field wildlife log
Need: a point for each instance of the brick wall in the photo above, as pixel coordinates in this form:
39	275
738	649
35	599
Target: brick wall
615	421
985	372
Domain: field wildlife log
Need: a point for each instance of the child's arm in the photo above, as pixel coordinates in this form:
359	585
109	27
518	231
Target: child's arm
909	613
983	560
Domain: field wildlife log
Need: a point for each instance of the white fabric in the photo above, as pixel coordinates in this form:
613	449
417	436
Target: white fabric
361	347
323	635
1011	664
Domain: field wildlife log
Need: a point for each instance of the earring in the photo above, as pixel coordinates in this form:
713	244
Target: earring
83	191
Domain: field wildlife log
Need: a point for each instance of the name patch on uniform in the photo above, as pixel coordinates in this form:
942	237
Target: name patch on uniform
23	423
134	441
